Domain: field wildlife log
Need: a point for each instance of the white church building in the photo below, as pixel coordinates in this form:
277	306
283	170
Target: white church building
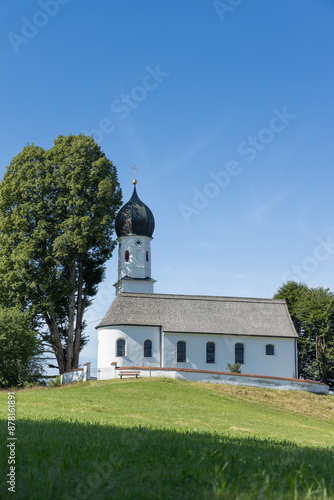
163	334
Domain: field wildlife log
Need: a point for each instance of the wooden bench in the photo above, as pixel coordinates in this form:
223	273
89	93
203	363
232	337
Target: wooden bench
128	374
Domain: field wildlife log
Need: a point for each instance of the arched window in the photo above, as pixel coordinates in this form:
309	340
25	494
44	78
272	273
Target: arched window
210	352
120	347
127	255
148	349
239	353
181	351
146	255
270	350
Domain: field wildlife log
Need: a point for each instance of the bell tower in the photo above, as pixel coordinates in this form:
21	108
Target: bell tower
134	227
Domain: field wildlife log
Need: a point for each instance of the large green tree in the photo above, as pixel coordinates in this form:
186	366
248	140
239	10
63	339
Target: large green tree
19	349
57	212
292	292
312	312
315	310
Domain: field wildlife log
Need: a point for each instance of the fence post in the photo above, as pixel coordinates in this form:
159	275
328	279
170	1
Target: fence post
87	371
113	369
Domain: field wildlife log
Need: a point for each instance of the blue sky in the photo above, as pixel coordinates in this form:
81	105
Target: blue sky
225	107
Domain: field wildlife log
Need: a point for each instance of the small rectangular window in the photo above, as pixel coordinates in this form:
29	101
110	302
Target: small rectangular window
181	351
120	347
147	349
210	352
270	350
239	353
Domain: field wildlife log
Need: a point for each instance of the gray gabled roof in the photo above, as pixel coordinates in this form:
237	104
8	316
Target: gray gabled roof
202	314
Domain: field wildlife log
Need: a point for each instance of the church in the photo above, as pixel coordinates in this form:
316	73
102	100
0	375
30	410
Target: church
166	333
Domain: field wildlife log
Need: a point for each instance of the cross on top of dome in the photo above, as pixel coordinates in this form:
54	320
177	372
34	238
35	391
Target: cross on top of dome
134	175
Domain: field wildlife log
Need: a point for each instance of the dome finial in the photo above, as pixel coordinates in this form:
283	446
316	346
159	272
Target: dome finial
134	175
134	218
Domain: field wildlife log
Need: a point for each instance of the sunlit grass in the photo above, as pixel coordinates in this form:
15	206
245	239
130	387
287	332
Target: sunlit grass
159	438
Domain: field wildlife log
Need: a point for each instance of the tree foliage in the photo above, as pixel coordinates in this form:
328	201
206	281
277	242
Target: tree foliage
19	347
312	311
57	212
291	292
316	312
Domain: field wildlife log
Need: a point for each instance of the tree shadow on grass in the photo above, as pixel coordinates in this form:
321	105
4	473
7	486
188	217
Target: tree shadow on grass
78	461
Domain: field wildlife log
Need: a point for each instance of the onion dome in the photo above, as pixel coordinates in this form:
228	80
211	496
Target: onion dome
134	218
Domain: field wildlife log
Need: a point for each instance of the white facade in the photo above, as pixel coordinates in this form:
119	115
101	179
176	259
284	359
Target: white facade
134	264
164	351
134	337
256	361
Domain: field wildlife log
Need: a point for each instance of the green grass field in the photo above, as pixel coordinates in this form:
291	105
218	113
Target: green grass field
166	439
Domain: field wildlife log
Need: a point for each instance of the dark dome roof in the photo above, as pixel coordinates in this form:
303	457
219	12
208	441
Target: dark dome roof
134	218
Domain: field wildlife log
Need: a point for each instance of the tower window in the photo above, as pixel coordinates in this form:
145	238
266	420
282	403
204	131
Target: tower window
148	349
146	255
210	352
181	351
127	255
270	350
239	353
120	347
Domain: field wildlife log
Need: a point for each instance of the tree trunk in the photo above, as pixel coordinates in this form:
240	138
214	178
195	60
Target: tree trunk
70	361
56	345
324	367
81	304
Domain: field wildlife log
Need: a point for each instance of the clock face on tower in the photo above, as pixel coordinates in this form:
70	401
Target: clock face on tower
138	242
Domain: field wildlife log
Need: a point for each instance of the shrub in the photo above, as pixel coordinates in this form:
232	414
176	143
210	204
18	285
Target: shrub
20	349
54	382
235	368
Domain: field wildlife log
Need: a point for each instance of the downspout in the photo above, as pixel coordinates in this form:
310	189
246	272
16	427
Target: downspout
296	359
161	363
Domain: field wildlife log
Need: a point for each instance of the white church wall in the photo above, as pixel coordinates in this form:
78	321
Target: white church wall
140	286
134	337
137	266
256	362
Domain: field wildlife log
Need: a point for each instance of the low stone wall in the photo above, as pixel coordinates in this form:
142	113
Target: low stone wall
76	375
285	384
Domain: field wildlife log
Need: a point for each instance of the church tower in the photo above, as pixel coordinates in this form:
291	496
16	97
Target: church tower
134	227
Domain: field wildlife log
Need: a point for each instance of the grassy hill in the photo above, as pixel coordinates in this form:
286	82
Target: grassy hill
166	439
